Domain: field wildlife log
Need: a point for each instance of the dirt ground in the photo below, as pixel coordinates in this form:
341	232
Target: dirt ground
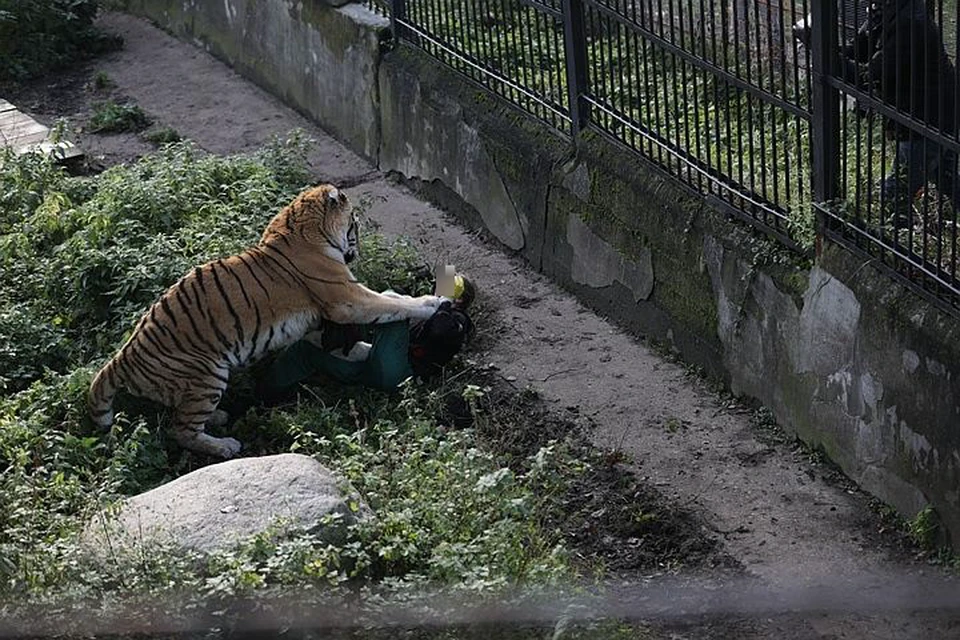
791	521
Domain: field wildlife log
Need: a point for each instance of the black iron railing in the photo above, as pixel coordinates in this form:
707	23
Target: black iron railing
892	191
766	107
515	49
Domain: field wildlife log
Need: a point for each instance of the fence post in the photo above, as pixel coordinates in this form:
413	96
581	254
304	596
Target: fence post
398	12
575	48
825	106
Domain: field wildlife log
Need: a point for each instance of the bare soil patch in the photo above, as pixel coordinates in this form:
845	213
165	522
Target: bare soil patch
71	95
612	520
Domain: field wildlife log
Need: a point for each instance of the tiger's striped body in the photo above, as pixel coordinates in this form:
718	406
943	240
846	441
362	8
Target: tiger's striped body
229	312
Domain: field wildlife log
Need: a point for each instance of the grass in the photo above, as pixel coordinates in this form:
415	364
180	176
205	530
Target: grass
719	126
82	257
161	136
102	81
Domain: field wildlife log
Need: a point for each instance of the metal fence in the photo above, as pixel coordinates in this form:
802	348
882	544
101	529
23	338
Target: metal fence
889	162
713	93
772	109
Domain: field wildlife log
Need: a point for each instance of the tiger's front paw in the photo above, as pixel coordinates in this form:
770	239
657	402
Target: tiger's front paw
425	307
434	302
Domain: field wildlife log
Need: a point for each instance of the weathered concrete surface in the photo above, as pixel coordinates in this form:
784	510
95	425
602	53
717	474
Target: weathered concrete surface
596	264
844	357
439	131
318	59
901	394
217	506
608	209
831	369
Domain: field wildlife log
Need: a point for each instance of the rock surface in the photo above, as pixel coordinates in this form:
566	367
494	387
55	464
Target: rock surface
214	507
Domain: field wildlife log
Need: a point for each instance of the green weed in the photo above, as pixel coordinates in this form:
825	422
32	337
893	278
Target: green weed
161	136
924	529
110	117
102	81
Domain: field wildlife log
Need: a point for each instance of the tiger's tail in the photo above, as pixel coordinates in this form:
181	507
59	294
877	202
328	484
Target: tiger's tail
100	396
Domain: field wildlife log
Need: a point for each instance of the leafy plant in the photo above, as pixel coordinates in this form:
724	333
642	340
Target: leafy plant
82	258
802	225
108	116
102	81
38	35
924	528
161	136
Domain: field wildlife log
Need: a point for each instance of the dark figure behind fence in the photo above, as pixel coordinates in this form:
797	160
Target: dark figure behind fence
898	53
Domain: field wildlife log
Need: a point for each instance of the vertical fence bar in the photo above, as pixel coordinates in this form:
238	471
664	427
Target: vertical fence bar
825	105
398	13
575	46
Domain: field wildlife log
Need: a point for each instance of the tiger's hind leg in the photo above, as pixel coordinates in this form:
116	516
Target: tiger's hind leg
192	415
190	435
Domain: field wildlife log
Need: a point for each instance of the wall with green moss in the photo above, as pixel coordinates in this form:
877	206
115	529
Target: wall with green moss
845	358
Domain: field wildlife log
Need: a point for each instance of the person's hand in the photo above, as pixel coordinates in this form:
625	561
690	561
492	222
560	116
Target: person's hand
802	31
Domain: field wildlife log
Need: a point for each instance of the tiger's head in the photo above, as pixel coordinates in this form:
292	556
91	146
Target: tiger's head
321	216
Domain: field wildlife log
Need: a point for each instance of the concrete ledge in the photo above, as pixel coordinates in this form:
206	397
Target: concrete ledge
846	359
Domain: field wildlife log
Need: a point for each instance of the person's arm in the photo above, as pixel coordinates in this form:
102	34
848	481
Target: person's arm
901	54
858	50
863	48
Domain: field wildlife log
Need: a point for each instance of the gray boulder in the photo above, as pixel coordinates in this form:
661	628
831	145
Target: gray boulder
215	507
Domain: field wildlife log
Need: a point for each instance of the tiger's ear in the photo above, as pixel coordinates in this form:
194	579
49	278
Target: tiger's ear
334	195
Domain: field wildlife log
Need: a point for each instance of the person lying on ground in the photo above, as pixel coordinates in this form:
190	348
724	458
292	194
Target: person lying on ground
378	356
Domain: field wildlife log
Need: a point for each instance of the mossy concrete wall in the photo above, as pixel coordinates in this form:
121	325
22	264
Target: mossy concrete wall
844	357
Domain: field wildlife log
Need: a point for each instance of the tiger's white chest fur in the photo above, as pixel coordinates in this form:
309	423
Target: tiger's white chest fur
291	329
274	336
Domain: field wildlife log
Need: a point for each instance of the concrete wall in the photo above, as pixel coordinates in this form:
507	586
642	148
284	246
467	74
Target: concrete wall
320	60
843	356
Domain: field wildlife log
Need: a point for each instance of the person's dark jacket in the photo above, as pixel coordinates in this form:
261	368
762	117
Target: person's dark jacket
905	64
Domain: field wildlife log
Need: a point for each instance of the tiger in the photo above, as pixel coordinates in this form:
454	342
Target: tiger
230	312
